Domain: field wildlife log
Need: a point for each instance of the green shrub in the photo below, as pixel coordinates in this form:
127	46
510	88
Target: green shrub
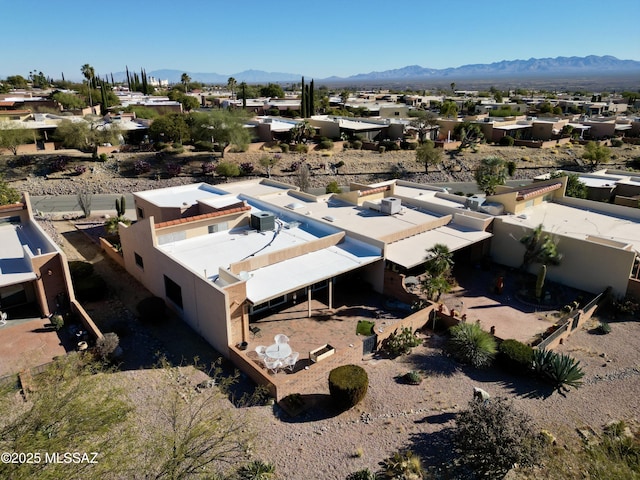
301	148
356	145
412	378
471	345
103	157
227	169
515	356
203	146
400	343
284	147
57	321
91	288
507	141
409	145
382	149
107	345
333	187
365	474
365	327
348	385
401	466
511	168
80	269
603	328
559	370
152	309
176	145
325	145
257	470
616	142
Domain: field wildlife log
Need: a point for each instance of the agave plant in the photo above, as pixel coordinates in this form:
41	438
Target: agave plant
562	371
257	470
470	344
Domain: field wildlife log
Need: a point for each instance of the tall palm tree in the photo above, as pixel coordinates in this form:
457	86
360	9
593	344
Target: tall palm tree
185	79
89	73
231	84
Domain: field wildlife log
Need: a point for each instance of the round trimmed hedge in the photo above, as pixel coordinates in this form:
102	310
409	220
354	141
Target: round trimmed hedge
348	385
515	356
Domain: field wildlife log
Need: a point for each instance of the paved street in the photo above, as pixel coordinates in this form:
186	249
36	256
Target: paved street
59	204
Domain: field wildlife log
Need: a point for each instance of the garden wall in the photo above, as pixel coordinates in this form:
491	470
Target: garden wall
111	252
86	320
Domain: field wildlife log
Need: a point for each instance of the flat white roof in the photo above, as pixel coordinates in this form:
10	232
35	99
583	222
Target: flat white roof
580	223
208	253
14	267
411	252
180	196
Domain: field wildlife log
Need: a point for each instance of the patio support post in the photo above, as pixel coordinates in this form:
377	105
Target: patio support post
309	301
331	294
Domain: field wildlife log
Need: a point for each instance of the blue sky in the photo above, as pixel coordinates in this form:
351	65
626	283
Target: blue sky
313	38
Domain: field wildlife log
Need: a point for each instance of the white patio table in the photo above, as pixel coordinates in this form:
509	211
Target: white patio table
278	351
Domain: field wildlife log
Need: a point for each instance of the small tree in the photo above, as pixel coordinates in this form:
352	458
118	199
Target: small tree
492	436
575	188
596	154
8	194
427	154
268	163
333	187
491	173
12	137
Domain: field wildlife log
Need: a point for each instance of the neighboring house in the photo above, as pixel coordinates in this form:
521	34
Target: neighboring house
368	128
600	242
33	270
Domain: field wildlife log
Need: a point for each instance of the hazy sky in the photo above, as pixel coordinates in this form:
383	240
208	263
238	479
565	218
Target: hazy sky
312	38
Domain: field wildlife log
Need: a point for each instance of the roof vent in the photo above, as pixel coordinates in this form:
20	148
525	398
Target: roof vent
328	218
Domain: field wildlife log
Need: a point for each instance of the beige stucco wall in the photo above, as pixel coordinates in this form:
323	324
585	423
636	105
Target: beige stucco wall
585	265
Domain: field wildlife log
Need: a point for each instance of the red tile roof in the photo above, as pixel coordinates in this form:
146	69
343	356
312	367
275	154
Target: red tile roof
525	193
371	191
195	218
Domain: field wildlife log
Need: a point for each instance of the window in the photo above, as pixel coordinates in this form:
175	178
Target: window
139	260
218	227
140	212
173	291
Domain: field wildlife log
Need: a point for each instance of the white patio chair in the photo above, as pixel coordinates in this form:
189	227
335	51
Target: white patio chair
261	351
3	318
291	360
281	338
272	365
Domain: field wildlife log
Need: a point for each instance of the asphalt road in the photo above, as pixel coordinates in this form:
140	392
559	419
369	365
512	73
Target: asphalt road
105	203
69	203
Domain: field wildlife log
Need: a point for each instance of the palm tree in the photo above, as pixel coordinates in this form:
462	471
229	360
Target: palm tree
439	261
89	73
540	248
231	84
185	79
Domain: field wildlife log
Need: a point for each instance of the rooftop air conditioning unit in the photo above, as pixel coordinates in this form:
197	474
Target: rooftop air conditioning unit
263	221
474	203
390	205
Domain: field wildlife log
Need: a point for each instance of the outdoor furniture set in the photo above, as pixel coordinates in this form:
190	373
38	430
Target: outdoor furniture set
279	355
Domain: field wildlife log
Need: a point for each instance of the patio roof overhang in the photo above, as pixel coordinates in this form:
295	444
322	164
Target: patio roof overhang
296	273
411	252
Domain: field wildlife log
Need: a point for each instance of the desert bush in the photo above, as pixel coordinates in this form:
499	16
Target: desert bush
348	385
325	145
511	168
141	166
103	157
559	370
333	187
409	145
400	343
58	164
382	149
91	288
284	147
412	378
107	345
302	148
493	435
57	321
227	169
603	328
471	345
79	169
389	145
152	309
616	142
257	470
401	465
173	169
202	146
364	474
507	141
208	168
515	356
79	269
356	144
246	168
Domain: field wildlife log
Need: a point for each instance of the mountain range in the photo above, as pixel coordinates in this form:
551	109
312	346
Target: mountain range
533	67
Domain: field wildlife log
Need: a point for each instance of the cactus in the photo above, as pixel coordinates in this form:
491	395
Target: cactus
120	206
540	281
